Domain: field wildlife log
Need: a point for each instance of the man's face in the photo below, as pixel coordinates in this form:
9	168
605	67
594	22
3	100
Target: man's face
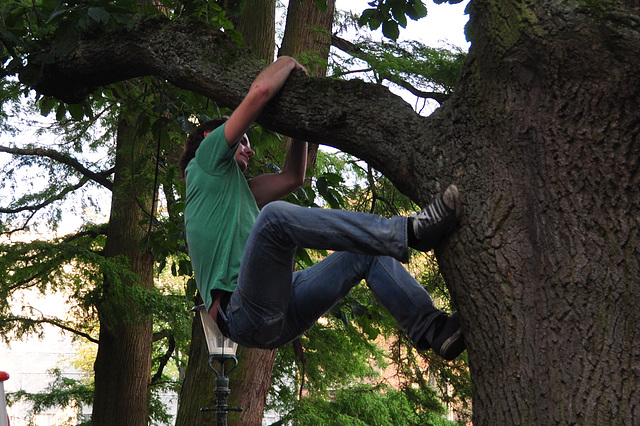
244	153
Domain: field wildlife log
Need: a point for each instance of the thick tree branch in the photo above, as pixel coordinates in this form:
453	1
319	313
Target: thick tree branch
32	281
65	159
21	228
192	57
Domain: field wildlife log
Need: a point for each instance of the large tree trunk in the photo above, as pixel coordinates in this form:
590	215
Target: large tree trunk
308	34
545	265
123	363
541	138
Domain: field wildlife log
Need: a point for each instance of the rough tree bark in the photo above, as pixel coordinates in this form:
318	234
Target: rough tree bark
541	138
125	333
258	28
545	264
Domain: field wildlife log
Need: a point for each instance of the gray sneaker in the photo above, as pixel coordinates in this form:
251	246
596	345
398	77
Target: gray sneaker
432	222
449	343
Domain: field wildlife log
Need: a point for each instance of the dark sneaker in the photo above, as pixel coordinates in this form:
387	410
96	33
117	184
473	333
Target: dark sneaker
449	343
432	222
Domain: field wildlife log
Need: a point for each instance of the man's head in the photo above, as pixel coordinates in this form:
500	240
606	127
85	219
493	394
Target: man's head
243	152
195	138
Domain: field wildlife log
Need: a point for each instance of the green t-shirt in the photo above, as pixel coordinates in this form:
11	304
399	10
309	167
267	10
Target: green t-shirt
219	213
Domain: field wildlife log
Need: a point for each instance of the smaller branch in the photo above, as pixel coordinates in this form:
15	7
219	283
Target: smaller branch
29	282
51	200
20	229
351	49
64	159
44	320
102	230
436	96
167	355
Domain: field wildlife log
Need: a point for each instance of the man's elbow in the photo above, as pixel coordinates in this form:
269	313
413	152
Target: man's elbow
260	93
295	182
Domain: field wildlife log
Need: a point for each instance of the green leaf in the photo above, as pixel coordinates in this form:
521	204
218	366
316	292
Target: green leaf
185	267
46	105
398	13
11	37
372	333
66	39
321	4
371	17
76	111
322	185
390	30
333	198
98	14
416	10
190	290
88	110
57	13
303	256
61	112
333	178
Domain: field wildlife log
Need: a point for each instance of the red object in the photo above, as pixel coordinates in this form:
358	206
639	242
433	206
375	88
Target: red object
4	376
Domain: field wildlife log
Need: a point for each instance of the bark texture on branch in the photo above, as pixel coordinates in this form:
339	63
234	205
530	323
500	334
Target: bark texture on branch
363	119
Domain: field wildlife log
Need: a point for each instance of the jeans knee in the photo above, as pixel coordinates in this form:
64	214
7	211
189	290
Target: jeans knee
275	209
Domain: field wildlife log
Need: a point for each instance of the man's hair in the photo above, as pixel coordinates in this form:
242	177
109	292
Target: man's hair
194	140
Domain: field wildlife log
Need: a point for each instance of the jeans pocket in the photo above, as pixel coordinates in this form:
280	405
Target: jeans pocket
255	331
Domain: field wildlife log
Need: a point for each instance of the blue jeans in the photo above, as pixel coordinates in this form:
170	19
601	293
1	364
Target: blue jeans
272	305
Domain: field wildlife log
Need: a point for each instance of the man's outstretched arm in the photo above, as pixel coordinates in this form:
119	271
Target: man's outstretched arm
272	187
263	88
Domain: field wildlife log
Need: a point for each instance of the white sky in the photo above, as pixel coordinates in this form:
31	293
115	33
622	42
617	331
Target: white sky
443	25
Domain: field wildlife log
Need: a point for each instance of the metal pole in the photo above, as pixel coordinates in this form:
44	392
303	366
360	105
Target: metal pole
222	392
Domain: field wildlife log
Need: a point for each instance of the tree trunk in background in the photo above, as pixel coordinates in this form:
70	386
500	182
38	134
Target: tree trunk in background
307	36
251	382
308	39
258	28
123	362
199	383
